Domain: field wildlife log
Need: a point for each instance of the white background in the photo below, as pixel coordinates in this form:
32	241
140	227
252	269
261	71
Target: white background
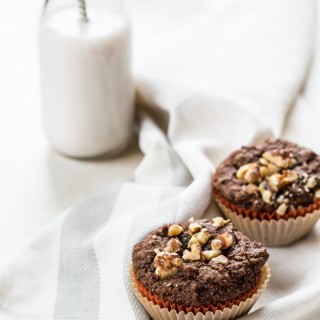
36	184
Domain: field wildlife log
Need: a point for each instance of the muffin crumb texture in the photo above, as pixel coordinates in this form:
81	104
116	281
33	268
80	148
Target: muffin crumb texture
201	263
278	176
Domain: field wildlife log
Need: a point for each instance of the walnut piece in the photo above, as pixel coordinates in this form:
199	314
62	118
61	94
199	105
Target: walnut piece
279	161
265	193
174	230
264	172
221	259
249	172
251	188
278	180
194	227
311	182
282	209
226	239
194	254
173	245
219	222
216	244
166	273
253	174
317	194
210	254
166	263
242	171
200	238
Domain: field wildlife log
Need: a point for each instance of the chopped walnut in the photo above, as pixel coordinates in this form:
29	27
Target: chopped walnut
264	171
217	244
278	180
265	193
253	174
317	194
264	162
219	222
194	227
282	209
173	245
194	254
272	168
210	254
251	188
166	263
311	182
221	259
200	238
242	171
174	230
166	273
226	239
167	259
279	161
249	172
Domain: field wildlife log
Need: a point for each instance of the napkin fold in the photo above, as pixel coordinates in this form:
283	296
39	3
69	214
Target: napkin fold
211	76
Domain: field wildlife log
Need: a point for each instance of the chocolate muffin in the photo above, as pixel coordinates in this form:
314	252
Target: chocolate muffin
274	181
205	263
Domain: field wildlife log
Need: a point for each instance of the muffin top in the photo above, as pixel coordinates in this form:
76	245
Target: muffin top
201	263
277	176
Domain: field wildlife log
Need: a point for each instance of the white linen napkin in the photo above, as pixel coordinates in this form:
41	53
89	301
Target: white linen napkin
211	76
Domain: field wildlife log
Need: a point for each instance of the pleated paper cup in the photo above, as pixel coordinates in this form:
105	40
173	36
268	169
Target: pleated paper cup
159	309
271	229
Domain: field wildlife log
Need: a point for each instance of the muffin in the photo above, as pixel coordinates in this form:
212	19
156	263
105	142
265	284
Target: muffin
205	268
270	192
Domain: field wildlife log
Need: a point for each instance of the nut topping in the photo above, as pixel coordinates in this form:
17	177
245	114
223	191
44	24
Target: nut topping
311	182
251	188
265	193
166	273
253	174
221	259
273	168
219	222
249	172
166	263
200	238
226	239
264	162
174	230
278	180
264	172
194	227
279	161
242	171
282	209
317	194
210	254
173	245
216	244
194	255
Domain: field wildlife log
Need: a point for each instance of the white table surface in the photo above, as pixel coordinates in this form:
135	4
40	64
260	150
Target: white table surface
36	184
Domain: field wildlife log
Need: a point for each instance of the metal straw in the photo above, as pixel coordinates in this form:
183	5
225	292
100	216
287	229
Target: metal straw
82	7
83	11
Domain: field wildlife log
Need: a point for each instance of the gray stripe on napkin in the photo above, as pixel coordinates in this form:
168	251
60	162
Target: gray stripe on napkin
78	290
165	211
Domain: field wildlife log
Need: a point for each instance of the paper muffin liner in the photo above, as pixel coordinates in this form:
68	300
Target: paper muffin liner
271	229
160	309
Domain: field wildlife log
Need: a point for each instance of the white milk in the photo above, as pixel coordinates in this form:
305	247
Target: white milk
87	89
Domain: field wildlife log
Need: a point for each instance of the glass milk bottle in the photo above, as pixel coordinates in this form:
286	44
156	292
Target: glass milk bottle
86	81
